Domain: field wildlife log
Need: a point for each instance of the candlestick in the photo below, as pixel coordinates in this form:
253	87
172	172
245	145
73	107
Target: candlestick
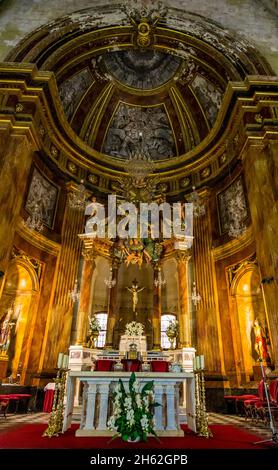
60	360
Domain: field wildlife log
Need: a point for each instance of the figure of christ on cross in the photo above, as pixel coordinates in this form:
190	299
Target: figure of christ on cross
135	289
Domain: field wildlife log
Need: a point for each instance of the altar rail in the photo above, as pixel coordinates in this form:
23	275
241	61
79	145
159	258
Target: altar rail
97	400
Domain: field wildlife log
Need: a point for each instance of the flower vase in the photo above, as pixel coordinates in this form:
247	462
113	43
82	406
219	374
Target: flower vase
172	342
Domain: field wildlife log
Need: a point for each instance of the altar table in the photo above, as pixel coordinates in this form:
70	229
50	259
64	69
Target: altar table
97	400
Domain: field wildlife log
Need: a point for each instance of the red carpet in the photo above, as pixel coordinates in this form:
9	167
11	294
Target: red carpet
29	436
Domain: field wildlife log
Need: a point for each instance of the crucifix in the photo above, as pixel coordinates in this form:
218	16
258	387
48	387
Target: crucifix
135	289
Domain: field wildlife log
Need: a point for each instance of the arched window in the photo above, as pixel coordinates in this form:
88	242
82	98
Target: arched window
165	320
102	320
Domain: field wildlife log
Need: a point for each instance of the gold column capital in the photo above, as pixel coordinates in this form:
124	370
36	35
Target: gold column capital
183	256
88	255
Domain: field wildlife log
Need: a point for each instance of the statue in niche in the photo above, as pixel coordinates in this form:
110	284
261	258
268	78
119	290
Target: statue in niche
135	289
261	347
5	333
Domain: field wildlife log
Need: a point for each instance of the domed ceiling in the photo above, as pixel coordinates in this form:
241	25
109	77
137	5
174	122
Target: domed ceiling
162	84
120	95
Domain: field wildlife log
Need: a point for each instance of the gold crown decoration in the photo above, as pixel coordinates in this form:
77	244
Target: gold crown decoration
144	15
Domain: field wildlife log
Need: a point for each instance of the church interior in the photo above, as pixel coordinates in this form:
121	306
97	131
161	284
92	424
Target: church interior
153	103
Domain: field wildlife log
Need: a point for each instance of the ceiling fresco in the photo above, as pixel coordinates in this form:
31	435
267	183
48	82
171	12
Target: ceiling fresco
132	123
121	78
142	68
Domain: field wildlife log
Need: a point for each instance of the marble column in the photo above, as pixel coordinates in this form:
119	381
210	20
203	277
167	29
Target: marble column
103	406
260	162
85	293
171	409
91	404
58	335
156	311
158	393
112	307
84	403
209	337
183	258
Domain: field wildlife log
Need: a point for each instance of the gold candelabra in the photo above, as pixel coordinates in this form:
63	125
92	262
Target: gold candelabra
56	419
197	400
200	397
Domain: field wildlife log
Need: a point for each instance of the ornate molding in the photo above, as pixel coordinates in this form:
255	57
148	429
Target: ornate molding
37	239
18	254
183	256
88	255
241	102
234	245
98	246
233	270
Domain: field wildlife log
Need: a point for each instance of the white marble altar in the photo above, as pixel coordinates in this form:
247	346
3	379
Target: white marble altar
97	400
185	357
80	358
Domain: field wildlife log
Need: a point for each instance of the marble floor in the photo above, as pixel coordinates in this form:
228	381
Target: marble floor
14	420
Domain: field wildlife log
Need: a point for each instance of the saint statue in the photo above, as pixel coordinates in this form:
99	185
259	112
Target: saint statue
5	332
135	289
261	341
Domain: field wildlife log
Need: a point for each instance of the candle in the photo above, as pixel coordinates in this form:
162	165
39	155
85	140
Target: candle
194	363
197	362
60	360
202	362
65	361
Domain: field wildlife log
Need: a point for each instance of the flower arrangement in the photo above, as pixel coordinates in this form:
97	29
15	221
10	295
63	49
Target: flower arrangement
134	329
132	417
94	324
94	329
172	329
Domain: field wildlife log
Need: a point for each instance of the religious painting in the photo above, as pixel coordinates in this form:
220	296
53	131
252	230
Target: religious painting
73	89
42	195
208	95
232	206
132	123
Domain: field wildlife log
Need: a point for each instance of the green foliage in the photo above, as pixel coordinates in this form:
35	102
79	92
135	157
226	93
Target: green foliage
133	411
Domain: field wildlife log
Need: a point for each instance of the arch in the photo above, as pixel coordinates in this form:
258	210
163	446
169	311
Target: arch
247	293
22	270
20	292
